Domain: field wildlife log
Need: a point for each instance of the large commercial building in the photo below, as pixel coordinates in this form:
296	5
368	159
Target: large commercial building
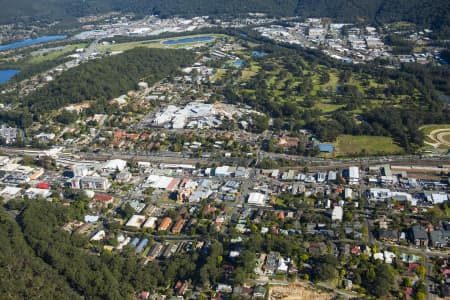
90	183
256	199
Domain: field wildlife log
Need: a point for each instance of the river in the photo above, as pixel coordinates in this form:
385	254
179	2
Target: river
7	74
29	42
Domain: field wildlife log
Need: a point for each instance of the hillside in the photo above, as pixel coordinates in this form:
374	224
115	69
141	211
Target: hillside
26	276
108	77
427	12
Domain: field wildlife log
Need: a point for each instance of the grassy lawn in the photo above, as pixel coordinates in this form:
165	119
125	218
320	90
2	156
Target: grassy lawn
39	57
328	107
374	84
402	25
333	82
271	81
158	43
219	74
316	84
348	145
254	67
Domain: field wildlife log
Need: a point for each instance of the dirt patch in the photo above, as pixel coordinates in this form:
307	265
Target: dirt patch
439	137
297	292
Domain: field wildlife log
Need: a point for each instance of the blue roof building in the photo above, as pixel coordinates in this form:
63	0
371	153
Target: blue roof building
134	241
329	148
141	245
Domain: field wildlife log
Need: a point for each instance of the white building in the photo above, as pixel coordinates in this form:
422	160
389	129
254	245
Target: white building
332	176
91	183
348	193
256	199
353	175
162	182
150	223
222	171
321	176
136	221
34	193
337	214
113	165
99	235
388	257
10	191
80	170
436	197
379	194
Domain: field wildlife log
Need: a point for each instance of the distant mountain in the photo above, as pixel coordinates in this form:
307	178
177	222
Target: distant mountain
433	13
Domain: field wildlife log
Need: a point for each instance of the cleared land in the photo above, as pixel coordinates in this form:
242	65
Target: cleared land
348	145
39	57
298	292
446	137
158	43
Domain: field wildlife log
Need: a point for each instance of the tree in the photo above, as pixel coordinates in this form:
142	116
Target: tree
260	123
239	276
383	281
27	160
126	211
325	268
67	117
421	272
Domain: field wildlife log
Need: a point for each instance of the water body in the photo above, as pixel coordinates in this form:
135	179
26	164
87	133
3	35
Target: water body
189	40
28	42
7	74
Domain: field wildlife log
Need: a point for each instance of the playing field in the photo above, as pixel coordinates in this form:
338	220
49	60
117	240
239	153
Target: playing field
160	43
348	145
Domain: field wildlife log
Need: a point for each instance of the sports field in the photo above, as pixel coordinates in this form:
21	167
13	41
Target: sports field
348	145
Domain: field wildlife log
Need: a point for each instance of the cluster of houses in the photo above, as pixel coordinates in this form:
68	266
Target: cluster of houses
347	42
194	196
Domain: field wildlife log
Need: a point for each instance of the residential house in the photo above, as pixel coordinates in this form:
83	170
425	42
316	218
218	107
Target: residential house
165	224
317	248
388	235
418	235
438	239
337	213
178	226
103	199
288	142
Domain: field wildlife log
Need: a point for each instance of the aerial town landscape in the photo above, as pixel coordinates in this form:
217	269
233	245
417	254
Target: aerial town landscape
250	154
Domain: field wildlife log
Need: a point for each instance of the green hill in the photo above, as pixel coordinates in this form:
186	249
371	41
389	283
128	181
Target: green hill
426	12
26	276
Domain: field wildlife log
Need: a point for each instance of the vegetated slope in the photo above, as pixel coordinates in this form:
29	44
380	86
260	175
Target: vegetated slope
108	77
423	12
345	10
94	277
23	275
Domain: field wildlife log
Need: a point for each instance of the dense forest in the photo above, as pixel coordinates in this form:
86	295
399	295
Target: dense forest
26	276
108	77
427	13
106	277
